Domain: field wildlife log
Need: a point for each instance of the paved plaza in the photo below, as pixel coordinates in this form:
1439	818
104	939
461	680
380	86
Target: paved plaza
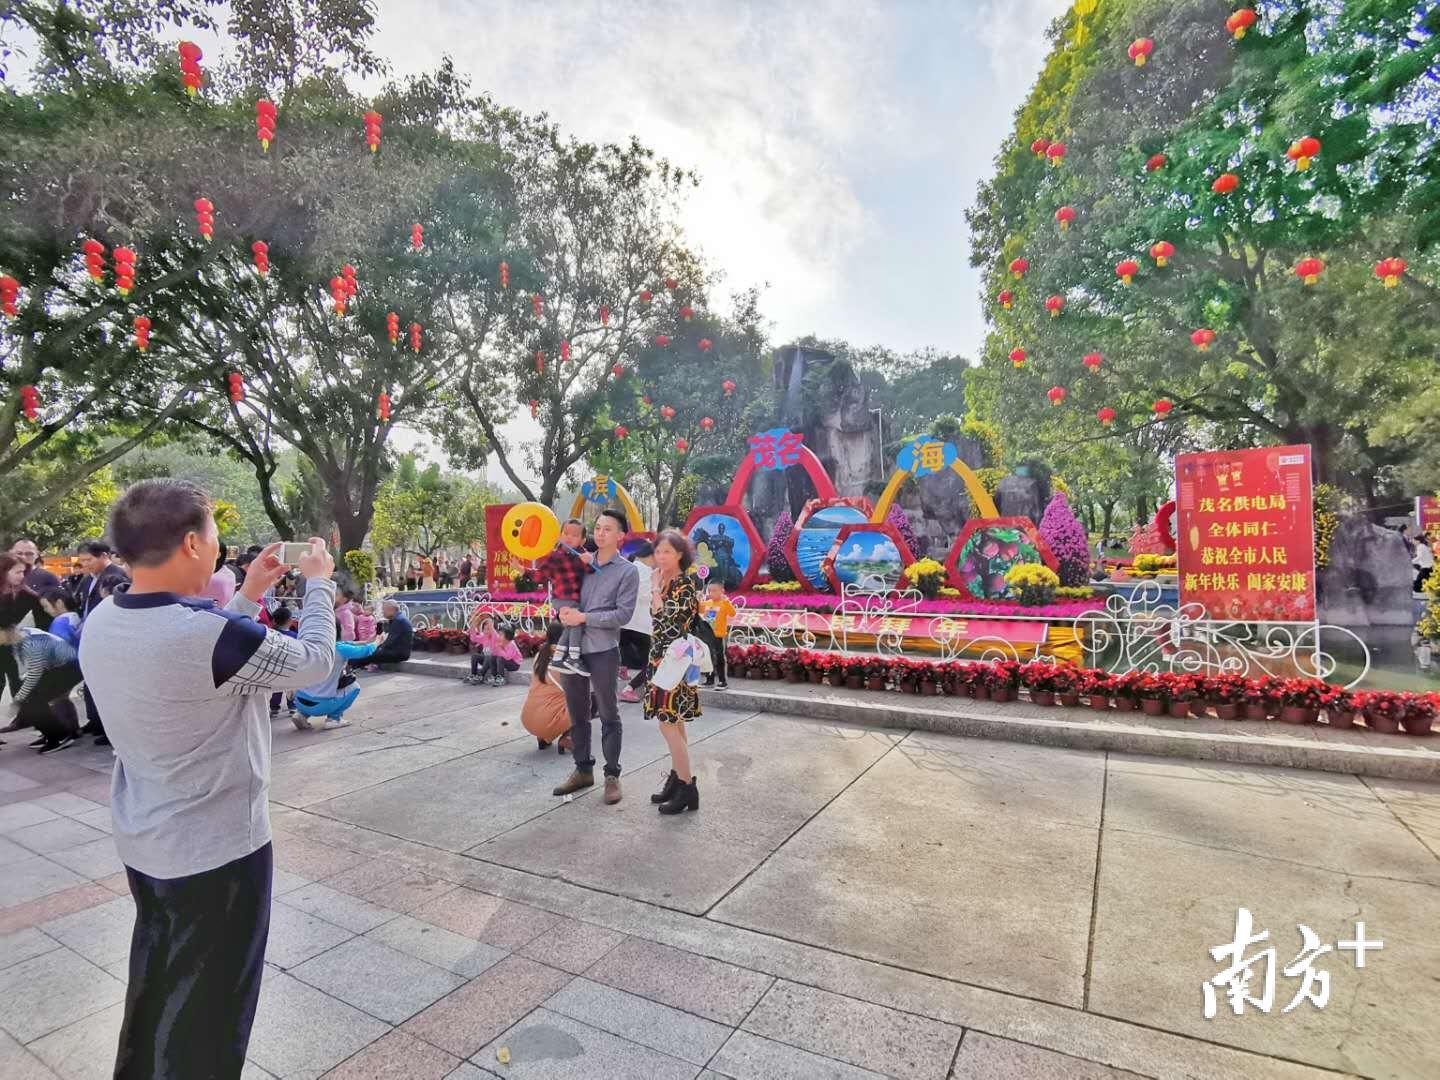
849	902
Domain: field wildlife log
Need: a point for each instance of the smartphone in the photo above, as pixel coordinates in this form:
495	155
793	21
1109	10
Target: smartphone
291	554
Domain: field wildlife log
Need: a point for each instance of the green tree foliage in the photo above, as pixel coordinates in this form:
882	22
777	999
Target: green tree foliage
420	510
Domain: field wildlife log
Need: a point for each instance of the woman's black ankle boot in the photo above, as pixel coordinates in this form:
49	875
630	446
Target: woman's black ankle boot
672	784
686	797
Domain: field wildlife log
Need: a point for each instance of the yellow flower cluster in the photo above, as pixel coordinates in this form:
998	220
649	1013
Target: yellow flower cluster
1155	564
1031	575
779	586
924	568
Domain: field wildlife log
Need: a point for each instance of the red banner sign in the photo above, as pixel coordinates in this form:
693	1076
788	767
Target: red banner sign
1427	513
1245	533
501	568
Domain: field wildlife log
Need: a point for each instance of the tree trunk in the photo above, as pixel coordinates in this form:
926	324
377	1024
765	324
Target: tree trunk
1108	518
1319	438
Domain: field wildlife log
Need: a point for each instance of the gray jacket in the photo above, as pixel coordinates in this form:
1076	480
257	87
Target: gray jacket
608	600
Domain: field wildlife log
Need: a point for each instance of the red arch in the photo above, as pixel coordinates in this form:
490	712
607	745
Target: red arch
824	488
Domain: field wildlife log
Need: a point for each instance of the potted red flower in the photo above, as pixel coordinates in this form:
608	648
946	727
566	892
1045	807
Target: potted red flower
1002	679
1152	692
1383	710
1095	685
876	673
1041	679
1341	708
1068	681
1419	715
1181	690
1261	700
1122	690
1225	693
1300	700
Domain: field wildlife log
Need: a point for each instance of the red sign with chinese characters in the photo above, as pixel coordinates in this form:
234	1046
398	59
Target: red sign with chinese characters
501	567
1245	533
1427	513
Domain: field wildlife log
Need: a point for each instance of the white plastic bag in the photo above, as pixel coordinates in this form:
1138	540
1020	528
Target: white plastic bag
675	665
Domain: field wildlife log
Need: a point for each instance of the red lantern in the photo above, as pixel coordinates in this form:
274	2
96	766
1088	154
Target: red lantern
392	327
1389	271
372	130
265	123
382	406
190	57
205	218
504	275
534	408
142	332
682	445
1039	146
728	386
564	351
1105	415
1056	394
604	314
1140	50
95	259
667	412
1006	298
706	423
1093	360
1056	152
1309	270
261	250
30	402
540	361
1161	251
1018	266
687	313
1225	183
621	431
537	305
670	283
237	386
338	293
347	274
1017	357
415	330
124	269
662	340
1162	407
9	295
1157	161
1064	216
617	370
1127	270
646	296
705	344
1302	150
1201	339
1240	21
417	236
1055	305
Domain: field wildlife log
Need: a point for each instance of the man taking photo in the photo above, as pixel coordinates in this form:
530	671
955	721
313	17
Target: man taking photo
183	686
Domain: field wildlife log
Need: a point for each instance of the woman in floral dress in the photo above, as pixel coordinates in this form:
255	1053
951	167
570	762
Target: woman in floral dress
674	602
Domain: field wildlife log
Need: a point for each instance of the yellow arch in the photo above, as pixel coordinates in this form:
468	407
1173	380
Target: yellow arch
632	512
984	505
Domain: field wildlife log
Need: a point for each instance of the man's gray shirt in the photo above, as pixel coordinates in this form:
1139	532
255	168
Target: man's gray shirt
607	598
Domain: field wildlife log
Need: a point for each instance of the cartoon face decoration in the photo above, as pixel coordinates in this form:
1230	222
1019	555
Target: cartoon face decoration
530	530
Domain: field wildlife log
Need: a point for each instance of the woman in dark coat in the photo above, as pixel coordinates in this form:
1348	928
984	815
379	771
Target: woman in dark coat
674	602
16	601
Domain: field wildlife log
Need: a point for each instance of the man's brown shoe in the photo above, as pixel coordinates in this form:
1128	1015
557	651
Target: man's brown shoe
612	789
576	781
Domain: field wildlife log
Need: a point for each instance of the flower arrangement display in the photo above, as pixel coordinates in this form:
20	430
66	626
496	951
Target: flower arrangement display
926	575
990	551
1061	529
775	560
1032	584
918	545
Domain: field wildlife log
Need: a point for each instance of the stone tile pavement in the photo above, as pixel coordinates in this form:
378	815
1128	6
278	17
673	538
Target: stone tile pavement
848	903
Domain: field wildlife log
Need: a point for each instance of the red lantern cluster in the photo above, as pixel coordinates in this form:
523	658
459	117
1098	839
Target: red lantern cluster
1017	357
1157	161
1309	270
1140	50
382	406
705	344
1018	266
728	386
1056	394
706	423
1240	21
1105	415
30	402
1201	339
237	386
1055	305
372	130
564	351
687	313
261	251
339	294
1039	146
415	331
539	361
662	340
205	217
1302	151
1006	298
1093	360
9	296
1056	152
504	275
417	236
1161	251
682	445
1225	183
1127	270
1064	216
142	332
265	123
94	259
190	57
124	269
604	314
1389	271
1162	407
392	327
534	409
667	412
537	305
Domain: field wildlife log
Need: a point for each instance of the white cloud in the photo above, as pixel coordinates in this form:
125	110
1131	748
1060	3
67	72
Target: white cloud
1013	34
